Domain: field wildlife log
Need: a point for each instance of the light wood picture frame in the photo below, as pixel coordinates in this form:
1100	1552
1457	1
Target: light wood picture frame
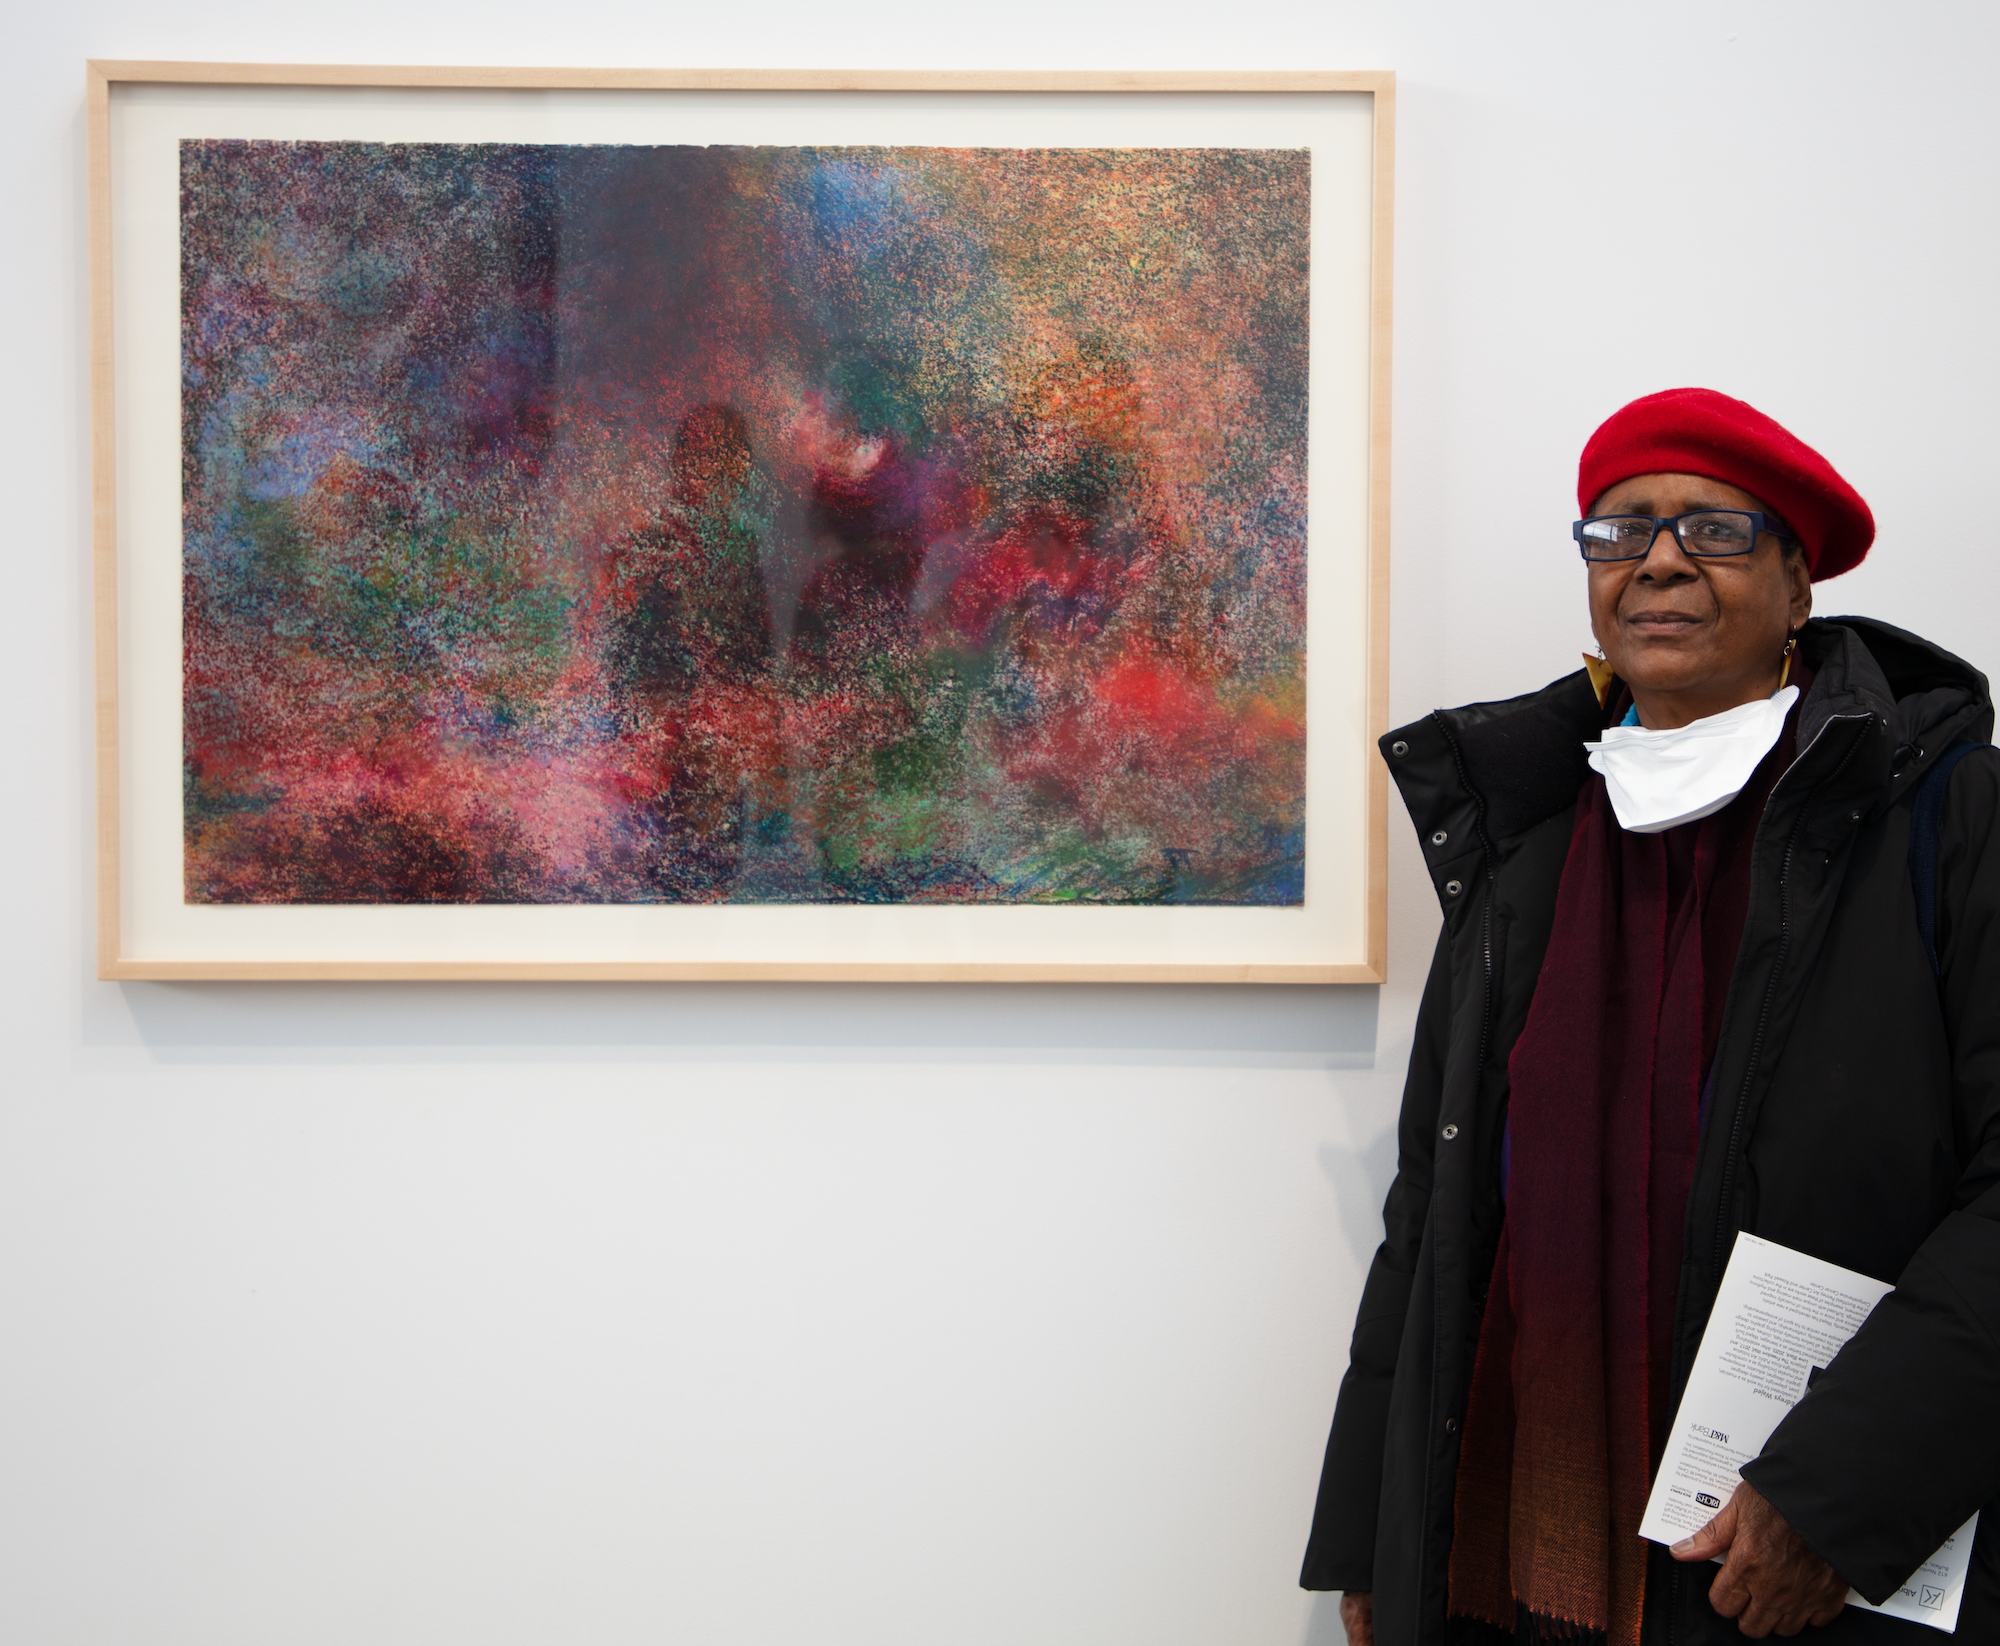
163	915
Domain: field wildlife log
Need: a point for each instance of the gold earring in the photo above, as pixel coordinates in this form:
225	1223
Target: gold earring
1600	675
1784	674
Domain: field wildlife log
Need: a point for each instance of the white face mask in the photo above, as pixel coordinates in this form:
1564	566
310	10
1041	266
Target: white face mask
1658	779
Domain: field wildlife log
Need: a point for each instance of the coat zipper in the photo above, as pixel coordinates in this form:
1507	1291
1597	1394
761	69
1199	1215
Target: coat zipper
1722	1212
1479	1075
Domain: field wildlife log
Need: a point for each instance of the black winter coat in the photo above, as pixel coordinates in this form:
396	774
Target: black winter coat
1855	1115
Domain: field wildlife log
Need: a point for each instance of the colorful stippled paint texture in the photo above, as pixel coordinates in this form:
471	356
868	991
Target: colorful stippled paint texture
603	524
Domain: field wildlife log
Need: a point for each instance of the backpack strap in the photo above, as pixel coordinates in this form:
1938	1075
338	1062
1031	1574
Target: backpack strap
1926	816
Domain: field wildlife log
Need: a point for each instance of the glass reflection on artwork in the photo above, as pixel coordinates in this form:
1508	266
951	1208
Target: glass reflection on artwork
615	524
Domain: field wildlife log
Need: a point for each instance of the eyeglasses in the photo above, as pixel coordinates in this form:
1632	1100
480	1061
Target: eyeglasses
1707	534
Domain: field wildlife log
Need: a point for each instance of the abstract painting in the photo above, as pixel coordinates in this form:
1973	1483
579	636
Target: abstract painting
605	524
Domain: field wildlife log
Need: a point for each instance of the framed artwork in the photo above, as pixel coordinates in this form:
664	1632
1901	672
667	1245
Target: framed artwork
698	524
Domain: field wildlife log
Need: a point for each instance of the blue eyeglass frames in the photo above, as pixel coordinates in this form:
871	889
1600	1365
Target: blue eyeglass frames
1707	534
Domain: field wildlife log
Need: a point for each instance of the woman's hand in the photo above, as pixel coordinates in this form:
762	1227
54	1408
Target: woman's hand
1770	1578
1357	1616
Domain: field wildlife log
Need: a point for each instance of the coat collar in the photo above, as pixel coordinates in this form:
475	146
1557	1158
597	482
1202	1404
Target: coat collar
1486	772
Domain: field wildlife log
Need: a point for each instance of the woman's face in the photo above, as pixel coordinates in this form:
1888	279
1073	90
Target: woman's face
1694	636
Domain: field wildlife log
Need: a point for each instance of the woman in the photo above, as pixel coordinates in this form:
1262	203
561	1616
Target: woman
1686	986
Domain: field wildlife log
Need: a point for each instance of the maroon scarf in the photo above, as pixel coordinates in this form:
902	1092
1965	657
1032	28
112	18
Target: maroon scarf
1566	1415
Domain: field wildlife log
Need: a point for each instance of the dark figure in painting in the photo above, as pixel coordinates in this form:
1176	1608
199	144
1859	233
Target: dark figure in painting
700	609
690	657
883	712
857	603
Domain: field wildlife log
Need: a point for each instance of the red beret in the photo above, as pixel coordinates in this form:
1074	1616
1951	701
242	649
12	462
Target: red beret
1697	431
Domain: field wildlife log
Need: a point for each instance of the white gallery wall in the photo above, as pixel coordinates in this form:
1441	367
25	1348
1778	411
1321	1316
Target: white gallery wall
887	1316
